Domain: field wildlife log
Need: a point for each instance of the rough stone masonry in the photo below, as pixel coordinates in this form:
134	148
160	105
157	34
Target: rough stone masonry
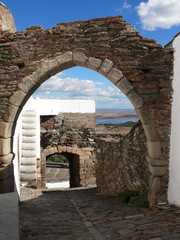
138	66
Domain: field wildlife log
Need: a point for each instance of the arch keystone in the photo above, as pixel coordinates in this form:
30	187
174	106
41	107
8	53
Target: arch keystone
105	67
94	63
114	75
79	59
124	85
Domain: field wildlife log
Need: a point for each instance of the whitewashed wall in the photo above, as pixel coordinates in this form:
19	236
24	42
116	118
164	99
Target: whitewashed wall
174	165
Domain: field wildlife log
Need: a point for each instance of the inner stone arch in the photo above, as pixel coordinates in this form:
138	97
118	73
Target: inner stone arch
48	68
78	164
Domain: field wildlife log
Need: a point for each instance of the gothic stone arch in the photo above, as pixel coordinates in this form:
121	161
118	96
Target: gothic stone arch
82	163
139	67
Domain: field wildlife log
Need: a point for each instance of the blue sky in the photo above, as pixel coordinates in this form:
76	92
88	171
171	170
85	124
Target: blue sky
157	19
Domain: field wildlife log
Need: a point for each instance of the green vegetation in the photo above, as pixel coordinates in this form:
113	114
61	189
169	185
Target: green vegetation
126	195
57	158
144	203
4	56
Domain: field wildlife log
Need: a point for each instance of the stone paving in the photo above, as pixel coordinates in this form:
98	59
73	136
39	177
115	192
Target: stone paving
84	214
57	174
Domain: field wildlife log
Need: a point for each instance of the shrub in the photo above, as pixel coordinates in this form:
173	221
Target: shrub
126	195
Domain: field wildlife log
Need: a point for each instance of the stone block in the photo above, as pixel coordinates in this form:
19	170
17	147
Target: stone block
114	75
151	198
105	67
156	162
69	149
74	150
150	132
6	159
135	99
81	161
156	184
79	59
59	148
17	98
4	146
10	113
124	85
154	149
144	115
94	63
157	171
39	76
50	67
51	151
5	130
87	153
26	84
64	149
79	151
6	171
65	60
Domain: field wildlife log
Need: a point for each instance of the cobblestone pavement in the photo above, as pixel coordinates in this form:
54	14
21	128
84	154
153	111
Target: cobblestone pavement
57	174
83	214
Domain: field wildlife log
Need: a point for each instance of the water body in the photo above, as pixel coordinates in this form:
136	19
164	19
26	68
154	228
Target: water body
114	120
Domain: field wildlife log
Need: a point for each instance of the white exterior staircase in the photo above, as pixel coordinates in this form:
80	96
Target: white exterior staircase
28	168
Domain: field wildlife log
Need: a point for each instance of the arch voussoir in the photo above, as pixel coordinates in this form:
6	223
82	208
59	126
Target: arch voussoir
80	59
105	67
94	63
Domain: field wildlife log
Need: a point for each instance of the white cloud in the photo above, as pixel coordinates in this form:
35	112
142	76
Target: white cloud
73	88
159	14
125	6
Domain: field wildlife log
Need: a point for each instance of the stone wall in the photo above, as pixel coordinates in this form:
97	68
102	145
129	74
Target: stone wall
138	66
121	164
6	19
77	144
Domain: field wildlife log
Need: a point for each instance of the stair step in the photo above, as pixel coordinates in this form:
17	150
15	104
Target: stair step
28	153
29	132
28	169
29	139
28	146
28	161
28	176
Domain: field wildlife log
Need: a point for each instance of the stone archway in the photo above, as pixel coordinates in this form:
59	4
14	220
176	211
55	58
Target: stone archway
81	164
69	59
139	67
